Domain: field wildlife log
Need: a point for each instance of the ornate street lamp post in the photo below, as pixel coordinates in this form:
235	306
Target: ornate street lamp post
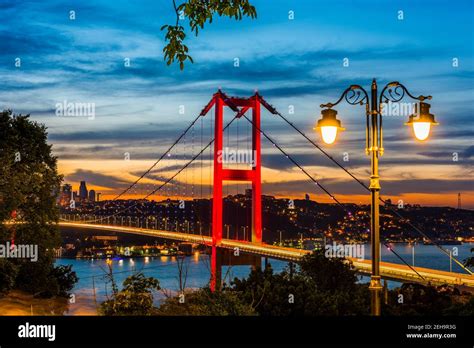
329	126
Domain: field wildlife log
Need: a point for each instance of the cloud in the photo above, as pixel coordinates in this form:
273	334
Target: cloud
97	179
469	152
464	154
350	187
296	63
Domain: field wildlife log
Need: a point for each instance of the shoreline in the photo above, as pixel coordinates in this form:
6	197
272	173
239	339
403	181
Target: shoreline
21	303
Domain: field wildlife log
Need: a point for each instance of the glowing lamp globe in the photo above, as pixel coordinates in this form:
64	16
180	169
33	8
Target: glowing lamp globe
329	125
422	122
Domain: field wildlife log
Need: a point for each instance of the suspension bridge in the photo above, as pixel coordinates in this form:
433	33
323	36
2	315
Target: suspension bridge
179	180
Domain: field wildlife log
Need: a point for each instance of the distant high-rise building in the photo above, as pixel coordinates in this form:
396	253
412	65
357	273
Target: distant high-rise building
92	195
306	196
98	196
248	192
83	191
65	195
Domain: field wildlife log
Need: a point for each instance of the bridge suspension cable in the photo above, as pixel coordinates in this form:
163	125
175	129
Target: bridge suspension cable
167	180
323	188
276	112
159	159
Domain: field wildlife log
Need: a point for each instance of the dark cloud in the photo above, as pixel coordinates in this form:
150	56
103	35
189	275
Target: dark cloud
463	154
85	58
164	133
280	162
95	178
350	187
469	152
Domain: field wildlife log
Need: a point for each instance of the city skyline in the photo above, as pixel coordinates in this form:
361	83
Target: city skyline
136	107
68	194
177	195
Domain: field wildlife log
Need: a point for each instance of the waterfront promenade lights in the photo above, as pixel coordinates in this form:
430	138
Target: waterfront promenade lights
329	126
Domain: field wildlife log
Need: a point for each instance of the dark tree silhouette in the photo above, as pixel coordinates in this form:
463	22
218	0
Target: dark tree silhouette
29	184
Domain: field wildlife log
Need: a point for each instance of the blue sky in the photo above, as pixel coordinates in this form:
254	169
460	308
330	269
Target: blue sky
296	63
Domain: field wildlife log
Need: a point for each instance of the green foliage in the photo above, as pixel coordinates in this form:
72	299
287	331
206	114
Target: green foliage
320	286
8	273
29	181
48	280
136	297
461	308
176	49
29	184
428	300
329	273
203	302
66	278
417	300
199	12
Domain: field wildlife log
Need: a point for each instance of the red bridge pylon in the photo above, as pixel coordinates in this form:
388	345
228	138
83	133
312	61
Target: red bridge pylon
221	174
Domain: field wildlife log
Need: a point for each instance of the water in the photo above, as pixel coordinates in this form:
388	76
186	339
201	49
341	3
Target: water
165	269
428	256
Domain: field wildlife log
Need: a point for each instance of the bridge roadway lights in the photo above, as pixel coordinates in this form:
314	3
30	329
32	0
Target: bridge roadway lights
389	271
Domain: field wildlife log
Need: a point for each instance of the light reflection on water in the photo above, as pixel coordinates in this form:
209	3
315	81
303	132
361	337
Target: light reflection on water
165	269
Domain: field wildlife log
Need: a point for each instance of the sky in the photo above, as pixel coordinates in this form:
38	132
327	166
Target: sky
293	53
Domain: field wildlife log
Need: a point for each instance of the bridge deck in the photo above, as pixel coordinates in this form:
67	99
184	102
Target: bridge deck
388	270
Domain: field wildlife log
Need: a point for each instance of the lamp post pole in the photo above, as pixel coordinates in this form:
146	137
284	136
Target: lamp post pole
375	286
329	125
